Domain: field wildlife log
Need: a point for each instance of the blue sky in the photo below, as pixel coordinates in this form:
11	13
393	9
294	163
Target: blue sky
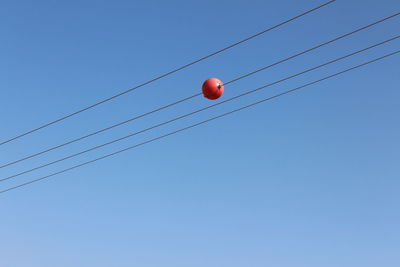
308	179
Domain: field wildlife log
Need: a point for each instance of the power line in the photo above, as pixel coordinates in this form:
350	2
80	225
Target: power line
199	110
166	74
199	123
318	46
198	94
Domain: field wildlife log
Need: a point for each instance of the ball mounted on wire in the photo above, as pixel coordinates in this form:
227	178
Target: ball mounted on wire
213	88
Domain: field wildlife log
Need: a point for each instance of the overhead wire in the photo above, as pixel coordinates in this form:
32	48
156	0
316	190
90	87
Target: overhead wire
201	109
198	94
165	74
199	123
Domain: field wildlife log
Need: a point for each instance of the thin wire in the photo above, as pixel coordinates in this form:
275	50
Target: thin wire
99	131
199	123
196	95
197	111
315	47
166	74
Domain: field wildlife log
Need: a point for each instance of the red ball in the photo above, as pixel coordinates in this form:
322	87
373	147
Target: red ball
213	88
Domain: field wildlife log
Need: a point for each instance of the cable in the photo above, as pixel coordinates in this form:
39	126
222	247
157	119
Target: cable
199	123
166	74
197	111
196	95
316	47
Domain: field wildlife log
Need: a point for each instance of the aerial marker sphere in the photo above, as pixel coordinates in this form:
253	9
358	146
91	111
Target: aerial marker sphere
213	88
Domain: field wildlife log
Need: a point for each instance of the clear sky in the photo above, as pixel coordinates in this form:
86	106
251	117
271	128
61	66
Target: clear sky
309	179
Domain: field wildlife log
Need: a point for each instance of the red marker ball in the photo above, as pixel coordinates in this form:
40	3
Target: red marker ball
213	88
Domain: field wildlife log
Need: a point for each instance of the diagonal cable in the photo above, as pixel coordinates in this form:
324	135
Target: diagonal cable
199	123
165	75
199	110
198	94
